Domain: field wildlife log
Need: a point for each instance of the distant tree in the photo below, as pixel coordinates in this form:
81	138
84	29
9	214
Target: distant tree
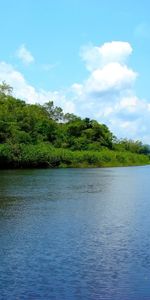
5	88
55	113
68	117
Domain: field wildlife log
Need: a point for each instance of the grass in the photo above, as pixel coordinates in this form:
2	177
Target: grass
45	155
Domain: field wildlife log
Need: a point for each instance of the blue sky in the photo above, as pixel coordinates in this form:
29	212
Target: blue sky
90	56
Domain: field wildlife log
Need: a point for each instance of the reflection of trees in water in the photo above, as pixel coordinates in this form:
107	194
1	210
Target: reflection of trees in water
12	213
13	187
8	185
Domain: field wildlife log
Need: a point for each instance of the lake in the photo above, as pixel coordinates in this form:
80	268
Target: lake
70	234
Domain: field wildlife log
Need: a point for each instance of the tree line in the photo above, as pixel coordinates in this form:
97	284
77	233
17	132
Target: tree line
26	127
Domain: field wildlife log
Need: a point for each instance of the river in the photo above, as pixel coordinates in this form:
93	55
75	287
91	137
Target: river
69	234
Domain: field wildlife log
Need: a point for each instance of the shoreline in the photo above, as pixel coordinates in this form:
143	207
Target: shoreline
71	167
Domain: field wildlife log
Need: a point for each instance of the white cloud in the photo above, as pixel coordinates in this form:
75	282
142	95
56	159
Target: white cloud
112	76
24	54
97	57
25	91
18	82
108	92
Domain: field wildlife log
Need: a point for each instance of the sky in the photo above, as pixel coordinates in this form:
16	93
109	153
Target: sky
91	57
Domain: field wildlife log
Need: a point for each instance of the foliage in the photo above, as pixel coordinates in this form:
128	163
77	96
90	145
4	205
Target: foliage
33	135
5	88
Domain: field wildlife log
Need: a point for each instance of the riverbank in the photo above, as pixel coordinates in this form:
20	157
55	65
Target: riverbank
44	155
43	136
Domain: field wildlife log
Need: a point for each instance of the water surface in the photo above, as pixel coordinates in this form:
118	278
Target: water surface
72	234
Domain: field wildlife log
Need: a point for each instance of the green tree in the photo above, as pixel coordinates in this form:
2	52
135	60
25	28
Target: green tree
55	113
5	88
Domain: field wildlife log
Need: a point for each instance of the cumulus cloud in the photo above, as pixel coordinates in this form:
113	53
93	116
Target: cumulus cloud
17	81
25	91
112	76
25	55
97	57
110	79
108	72
107	94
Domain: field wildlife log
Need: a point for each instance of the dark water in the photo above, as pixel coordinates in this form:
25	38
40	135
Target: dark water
75	234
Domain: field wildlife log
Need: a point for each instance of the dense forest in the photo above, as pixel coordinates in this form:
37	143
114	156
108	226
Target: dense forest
34	135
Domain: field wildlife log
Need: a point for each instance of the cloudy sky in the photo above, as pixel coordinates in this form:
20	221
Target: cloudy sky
91	57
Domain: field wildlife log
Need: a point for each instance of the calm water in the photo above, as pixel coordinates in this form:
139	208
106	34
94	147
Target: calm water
75	234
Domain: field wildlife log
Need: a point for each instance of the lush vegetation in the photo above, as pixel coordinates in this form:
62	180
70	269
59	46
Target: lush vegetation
34	135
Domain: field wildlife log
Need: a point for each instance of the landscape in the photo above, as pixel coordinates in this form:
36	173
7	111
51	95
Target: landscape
74	150
34	135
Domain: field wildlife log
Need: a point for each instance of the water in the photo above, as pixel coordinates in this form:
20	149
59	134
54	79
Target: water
75	234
